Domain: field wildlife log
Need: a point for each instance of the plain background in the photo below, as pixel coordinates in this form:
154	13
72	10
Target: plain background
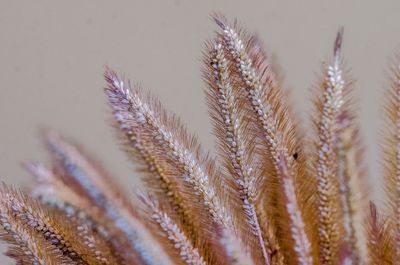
53	54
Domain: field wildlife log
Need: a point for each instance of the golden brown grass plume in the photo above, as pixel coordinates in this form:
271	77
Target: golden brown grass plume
271	195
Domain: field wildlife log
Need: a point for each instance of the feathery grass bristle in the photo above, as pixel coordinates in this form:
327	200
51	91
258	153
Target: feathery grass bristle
270	196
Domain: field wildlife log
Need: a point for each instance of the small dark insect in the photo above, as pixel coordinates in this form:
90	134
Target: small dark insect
295	156
273	253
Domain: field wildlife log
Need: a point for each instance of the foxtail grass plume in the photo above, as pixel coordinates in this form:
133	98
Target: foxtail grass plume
271	195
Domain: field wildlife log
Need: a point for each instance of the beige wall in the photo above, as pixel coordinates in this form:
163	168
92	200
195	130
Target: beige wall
53	53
